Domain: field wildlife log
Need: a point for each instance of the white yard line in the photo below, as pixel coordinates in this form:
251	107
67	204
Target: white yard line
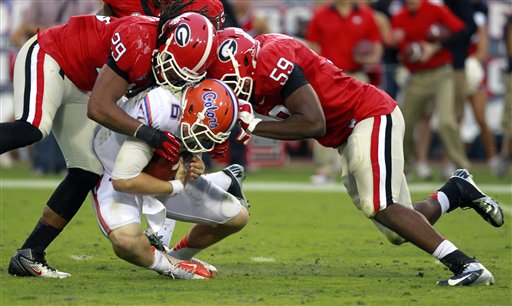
281	186
271	186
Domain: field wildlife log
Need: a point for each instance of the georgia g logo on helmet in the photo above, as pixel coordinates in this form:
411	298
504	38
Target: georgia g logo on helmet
226	48
182	35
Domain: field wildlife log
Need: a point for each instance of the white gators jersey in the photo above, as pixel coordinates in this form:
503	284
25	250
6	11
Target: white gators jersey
158	108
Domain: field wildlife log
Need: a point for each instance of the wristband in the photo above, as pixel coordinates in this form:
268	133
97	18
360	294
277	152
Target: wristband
177	187
253	124
149	134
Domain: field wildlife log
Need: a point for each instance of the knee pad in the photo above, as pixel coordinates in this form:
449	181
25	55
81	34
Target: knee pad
67	199
367	208
392	237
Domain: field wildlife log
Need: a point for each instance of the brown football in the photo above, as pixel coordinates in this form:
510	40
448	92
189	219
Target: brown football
161	168
438	32
412	53
363	48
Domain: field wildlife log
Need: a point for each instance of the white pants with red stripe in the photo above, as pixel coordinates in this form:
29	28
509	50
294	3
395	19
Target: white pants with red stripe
373	166
47	99
202	201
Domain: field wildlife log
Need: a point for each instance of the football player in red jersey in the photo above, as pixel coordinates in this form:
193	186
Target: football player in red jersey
67	73
284	79
213	9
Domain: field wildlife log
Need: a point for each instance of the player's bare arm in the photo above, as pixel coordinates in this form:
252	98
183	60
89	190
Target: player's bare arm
128	175
307	118
102	106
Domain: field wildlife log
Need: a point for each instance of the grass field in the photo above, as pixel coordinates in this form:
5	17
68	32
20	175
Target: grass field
302	246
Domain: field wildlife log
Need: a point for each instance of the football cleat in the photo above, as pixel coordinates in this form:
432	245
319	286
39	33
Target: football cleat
27	262
187	269
473	274
237	174
211	268
156	242
472	197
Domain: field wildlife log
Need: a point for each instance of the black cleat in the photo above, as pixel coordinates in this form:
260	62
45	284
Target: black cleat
472	197
237	174
27	262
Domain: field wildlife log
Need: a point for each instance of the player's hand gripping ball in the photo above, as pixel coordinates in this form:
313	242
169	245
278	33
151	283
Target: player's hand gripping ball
161	168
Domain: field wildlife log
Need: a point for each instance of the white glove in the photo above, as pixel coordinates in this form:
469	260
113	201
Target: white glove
247	121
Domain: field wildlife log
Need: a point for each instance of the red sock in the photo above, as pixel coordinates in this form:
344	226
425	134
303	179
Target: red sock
182	244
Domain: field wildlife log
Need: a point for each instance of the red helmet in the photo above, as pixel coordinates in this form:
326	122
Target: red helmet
235	63
214	10
210	111
187	52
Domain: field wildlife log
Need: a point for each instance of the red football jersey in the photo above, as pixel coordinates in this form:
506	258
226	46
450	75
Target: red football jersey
345	100
121	8
82	46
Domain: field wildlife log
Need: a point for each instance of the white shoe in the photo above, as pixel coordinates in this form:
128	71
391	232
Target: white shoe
211	268
474	274
447	171
26	262
423	171
320	179
187	269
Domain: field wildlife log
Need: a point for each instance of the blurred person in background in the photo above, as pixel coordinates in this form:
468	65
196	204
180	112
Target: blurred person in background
475	76
471	87
248	19
39	15
347	34
506	144
430	86
390	62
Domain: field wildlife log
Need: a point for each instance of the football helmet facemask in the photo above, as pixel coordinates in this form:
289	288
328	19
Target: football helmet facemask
235	63
189	49
210	111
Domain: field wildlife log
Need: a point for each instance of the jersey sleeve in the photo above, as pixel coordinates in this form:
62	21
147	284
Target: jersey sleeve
129	49
133	156
276	61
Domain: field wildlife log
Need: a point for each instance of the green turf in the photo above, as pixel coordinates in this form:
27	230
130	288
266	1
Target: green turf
324	252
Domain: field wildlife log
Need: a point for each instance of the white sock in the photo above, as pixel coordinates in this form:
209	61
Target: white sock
443	249
166	231
184	253
443	201
220	179
160	263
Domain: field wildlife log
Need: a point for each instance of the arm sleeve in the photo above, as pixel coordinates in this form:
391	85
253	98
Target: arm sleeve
134	155
295	80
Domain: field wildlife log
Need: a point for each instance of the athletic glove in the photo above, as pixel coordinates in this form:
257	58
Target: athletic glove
247	121
165	143
219	150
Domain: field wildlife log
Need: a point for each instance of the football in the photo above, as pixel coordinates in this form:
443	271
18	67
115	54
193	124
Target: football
161	168
412	52
438	32
363	48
